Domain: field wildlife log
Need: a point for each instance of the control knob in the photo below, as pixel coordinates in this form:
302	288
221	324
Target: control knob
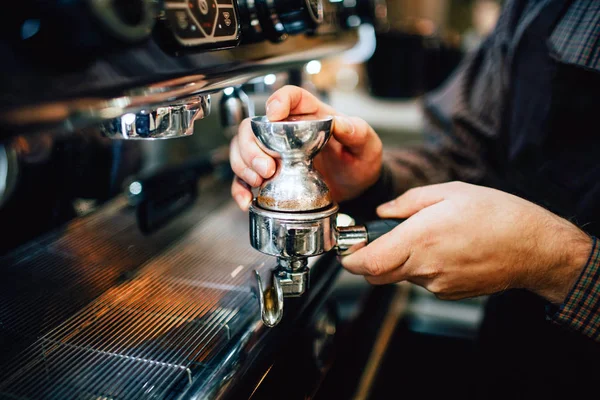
280	18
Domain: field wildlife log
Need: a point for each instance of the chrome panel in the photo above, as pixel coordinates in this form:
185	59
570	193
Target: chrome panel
166	122
235	67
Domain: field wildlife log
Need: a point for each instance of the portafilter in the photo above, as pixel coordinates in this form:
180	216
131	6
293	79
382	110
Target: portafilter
293	216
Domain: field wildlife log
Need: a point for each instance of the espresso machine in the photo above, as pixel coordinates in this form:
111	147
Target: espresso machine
127	271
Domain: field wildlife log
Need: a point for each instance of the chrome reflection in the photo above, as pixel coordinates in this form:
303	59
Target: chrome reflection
8	172
164	122
271	301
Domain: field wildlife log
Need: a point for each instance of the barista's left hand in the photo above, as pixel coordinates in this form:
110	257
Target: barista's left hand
463	240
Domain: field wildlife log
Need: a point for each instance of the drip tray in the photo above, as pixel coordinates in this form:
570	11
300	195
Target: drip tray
100	311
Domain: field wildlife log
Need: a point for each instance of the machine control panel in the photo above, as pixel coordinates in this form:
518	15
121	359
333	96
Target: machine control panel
95	27
203	23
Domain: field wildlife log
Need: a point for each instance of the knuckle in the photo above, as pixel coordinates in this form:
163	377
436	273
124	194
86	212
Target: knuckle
444	296
413	193
247	155
434	287
250	152
246	137
236	190
366	129
361	127
243	129
238	167
290	88
431	272
245	134
426	239
423	196
245	124
439	289
282	93
360	123
374	266
250	177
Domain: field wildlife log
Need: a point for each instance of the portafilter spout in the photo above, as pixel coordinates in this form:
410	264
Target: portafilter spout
293	216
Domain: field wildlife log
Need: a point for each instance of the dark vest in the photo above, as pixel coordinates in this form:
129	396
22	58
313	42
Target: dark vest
554	163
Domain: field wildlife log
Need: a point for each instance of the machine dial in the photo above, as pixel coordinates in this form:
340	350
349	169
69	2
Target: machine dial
127	20
201	24
204	12
280	18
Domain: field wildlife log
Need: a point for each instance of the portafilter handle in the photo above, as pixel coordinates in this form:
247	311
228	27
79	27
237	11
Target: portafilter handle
348	240
353	237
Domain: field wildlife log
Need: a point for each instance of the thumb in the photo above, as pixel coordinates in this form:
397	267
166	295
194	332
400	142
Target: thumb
292	100
412	201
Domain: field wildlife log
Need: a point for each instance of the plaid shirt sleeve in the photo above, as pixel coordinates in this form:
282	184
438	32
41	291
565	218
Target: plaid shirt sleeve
581	310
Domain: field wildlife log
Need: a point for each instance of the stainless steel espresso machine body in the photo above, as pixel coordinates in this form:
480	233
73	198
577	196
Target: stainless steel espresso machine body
126	269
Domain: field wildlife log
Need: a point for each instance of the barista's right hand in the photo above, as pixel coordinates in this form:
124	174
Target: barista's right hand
350	162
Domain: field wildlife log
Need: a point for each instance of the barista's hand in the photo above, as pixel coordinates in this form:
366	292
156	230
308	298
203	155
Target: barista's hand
464	241
350	162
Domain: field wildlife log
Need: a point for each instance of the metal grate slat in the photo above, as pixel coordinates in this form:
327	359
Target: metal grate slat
139	337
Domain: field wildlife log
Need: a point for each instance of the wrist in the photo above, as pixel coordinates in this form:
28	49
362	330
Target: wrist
568	251
362	206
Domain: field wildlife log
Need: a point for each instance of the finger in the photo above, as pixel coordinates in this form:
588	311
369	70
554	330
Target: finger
406	272
356	135
292	100
240	168
241	193
394	276
252	154
412	201
385	254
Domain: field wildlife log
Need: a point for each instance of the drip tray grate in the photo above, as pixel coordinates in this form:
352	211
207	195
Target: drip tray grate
95	335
